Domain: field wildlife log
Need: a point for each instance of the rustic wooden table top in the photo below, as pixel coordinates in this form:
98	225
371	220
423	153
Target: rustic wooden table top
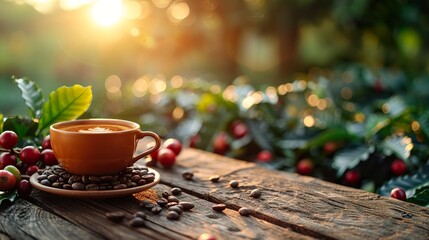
290	207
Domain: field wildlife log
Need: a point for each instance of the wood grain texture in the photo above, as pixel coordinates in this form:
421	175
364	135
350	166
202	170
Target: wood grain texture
23	220
306	205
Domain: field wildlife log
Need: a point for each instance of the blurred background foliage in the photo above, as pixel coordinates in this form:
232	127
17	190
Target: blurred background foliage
342	84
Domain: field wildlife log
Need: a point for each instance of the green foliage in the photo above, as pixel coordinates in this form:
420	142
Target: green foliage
32	96
8	196
66	103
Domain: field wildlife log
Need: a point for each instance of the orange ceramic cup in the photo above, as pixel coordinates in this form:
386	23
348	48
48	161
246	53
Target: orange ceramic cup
98	146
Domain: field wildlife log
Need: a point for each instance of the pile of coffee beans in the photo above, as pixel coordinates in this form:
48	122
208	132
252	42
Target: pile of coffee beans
57	177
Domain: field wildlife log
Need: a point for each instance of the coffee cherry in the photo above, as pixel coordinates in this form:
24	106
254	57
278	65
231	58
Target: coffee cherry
24	188
352	178
48	157
194	140
329	147
264	156
304	167
166	157
6	159
46	143
174	145
239	129
7	180
30	155
398	167
398	193
31	170
8	139
220	143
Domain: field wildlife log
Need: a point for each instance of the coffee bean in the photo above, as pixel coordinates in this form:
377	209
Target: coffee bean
148	178
78	186
176	209
144	203
94	179
172	215
214	178
41	177
92	187
176	191
170	204
53	178
85	179
244	211
140	214
165	194
136	178
149	206
141	182
219	207
57	185
137	222
172	199
120	186
65	175
162	202
107	178
123	179
115	216
255	193
234	183
67	186
188	175
46	182
186	205
156	209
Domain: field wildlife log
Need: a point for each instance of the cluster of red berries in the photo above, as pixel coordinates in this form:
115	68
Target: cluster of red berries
15	162
166	154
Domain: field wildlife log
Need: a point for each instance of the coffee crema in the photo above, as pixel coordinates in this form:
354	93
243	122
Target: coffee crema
95	128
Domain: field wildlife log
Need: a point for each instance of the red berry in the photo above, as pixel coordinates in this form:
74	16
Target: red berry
166	157
48	157
154	155
30	155
329	147
264	156
193	142
304	166
398	167
239	129
174	145
46	143
8	139
24	188
31	170
398	193
220	143
7	180
6	159
352	178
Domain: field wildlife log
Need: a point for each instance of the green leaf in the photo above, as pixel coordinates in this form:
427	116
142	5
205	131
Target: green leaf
66	103
32	96
400	146
335	134
375	123
8	196
1	122
350	157
421	197
408	182
22	126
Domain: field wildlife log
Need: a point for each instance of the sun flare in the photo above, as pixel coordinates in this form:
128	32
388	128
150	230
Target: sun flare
107	13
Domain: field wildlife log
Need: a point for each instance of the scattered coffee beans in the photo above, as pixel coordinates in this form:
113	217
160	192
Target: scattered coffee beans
140	214
176	191
255	193
137	222
56	176
214	178
172	215
173	199
244	211
156	209
219	207
162	202
115	216
234	184
188	175
186	205
176	209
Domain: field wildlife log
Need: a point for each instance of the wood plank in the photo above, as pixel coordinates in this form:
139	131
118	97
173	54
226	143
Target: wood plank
23	220
306	205
90	213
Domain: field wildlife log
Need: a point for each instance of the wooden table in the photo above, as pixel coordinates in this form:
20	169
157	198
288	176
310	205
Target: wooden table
291	207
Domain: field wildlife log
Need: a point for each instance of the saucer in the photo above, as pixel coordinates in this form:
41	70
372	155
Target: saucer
94	194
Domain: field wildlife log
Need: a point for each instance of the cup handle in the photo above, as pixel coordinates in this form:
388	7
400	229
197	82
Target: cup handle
143	134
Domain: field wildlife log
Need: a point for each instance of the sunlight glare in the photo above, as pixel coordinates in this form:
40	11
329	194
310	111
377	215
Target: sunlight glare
107	13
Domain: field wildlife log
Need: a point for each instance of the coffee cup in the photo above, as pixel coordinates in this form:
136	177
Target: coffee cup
98	146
